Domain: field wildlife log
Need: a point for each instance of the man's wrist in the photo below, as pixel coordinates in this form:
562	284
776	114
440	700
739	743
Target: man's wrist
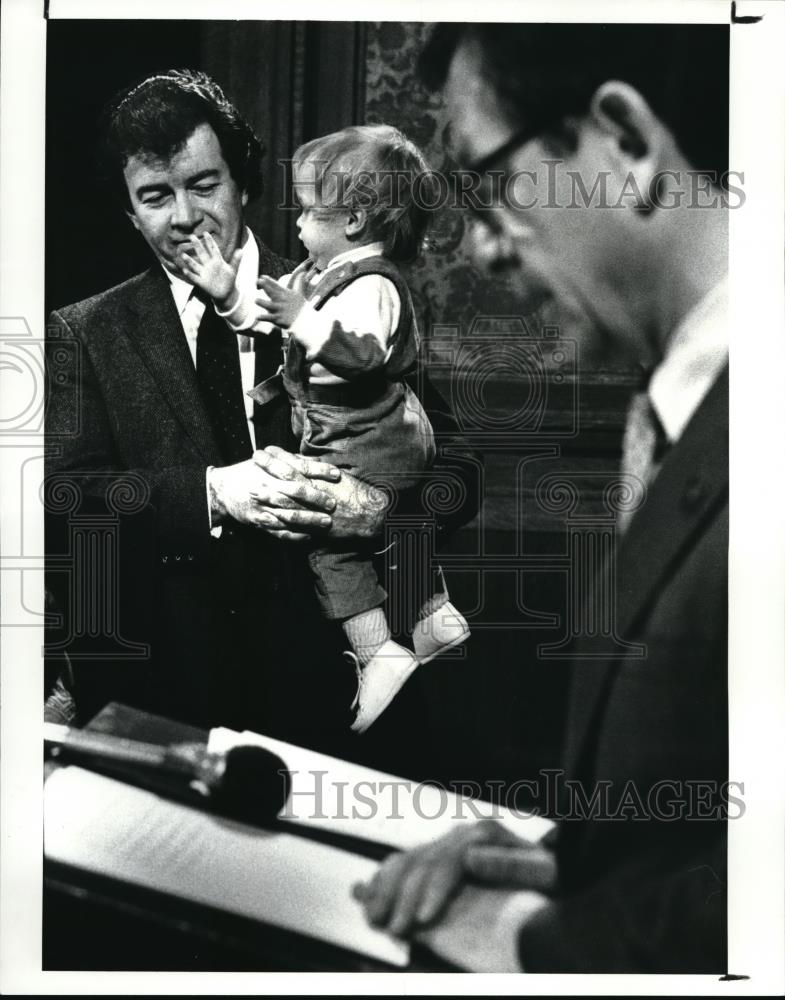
216	507
516	912
224	304
376	507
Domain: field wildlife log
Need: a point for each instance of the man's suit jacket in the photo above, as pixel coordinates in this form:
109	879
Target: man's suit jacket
643	892
231	623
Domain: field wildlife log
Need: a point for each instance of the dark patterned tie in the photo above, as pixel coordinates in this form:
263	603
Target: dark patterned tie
644	447
220	383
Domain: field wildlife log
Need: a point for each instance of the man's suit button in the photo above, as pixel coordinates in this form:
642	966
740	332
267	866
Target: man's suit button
694	494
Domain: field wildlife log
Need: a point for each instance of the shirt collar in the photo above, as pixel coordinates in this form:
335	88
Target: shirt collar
248	271
181	290
696	353
357	253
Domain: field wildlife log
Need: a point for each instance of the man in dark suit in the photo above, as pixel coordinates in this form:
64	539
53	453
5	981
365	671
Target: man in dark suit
167	447
610	205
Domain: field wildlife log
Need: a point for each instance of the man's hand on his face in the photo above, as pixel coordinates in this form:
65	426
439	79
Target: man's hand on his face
411	890
280	305
202	263
358	510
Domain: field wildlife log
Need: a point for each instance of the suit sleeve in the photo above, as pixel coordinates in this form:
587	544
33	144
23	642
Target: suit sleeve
83	457
655	914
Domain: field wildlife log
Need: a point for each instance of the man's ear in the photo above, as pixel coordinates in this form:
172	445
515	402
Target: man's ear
133	218
638	138
244	198
356	222
626	116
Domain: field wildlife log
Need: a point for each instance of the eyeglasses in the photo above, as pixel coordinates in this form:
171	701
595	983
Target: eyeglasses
497	156
490	170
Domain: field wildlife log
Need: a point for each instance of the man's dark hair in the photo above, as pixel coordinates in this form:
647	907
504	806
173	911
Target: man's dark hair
155	117
544	73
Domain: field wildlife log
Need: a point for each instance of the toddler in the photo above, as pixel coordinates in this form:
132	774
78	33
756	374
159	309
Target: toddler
350	336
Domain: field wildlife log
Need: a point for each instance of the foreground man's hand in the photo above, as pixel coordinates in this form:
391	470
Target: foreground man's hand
412	889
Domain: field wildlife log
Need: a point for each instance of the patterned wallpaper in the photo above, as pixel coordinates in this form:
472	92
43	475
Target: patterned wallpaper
446	286
514	380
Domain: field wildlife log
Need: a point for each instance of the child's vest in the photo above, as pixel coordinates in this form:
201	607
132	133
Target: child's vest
405	340
363	391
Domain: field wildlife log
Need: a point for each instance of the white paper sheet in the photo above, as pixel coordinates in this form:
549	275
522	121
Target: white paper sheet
346	798
114	829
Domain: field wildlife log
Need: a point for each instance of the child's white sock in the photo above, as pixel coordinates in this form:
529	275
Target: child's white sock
432	605
367	633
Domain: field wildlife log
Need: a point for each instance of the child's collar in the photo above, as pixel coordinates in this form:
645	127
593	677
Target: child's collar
356	253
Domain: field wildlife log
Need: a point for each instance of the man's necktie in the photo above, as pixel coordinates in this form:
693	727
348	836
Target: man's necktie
220	383
644	447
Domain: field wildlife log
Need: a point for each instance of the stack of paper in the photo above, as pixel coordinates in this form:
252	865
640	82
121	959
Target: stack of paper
104	826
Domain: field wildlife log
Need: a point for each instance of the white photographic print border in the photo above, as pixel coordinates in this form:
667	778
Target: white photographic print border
757	541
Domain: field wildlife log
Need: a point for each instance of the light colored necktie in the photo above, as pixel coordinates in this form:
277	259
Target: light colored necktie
643	448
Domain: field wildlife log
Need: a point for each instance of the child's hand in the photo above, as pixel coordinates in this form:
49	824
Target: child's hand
203	264
281	305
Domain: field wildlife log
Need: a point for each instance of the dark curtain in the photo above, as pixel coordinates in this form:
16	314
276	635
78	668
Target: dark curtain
293	80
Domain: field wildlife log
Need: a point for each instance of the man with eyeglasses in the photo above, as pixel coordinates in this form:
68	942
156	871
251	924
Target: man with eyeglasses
605	151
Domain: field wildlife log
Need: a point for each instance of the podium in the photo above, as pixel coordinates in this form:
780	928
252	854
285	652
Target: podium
102	922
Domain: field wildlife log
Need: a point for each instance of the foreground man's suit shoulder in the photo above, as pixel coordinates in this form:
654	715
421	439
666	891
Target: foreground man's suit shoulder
649	894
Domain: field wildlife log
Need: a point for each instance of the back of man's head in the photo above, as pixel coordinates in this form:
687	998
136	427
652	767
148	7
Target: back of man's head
545	73
155	116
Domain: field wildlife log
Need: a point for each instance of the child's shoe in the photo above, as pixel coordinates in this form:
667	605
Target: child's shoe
380	681
441	630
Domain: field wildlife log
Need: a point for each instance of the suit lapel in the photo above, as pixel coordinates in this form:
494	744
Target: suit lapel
160	340
158	335
692	479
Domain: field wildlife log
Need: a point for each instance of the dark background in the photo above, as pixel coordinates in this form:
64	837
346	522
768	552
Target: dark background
293	82
495	709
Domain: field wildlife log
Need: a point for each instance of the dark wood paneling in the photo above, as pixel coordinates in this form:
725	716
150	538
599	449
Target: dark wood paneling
294	80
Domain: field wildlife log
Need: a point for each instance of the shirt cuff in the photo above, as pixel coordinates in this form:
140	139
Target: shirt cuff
214	531
241	315
519	908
